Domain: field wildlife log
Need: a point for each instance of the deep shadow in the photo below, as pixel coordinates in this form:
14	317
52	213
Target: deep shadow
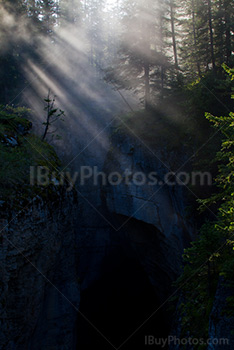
117	304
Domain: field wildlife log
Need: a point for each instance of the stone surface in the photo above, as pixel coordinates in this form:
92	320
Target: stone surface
221	327
159	205
76	245
38	275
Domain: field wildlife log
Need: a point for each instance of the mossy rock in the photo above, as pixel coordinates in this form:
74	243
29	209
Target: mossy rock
29	151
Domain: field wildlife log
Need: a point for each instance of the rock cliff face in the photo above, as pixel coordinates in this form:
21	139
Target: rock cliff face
160	206
38	264
143	224
221	326
125	239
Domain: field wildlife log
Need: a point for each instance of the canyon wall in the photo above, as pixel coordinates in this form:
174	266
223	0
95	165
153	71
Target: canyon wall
39	282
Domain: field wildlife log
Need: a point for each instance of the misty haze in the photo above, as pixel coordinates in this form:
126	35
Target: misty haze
116	174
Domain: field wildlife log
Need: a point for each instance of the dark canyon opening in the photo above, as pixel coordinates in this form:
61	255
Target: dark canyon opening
122	303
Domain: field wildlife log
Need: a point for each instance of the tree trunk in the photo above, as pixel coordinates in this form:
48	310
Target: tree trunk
209	279
48	109
46	130
147	85
195	39
173	33
145	25
227	31
161	50
220	43
211	35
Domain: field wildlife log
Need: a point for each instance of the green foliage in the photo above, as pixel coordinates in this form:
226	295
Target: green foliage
197	46
199	280
212	254
230	306
211	93
165	125
11	119
28	150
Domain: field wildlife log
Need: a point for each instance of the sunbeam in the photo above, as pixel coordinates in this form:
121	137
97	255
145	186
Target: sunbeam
116	191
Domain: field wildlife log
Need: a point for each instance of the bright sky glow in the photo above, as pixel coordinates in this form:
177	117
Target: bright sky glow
111	3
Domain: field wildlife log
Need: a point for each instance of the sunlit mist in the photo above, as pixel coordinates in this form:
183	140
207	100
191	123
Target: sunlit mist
97	57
